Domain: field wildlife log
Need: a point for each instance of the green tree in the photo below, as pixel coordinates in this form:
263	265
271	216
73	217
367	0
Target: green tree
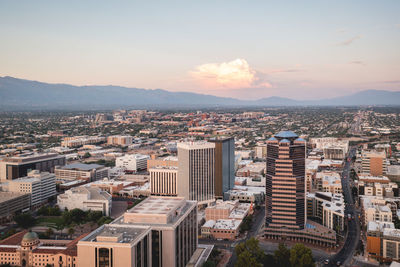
25	220
301	256
246	259
49	232
71	231
282	256
87	155
250	252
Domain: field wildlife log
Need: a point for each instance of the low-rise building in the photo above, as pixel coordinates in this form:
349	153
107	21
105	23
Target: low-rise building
12	202
19	166
326	208
252	170
120	140
81	171
132	162
86	198
329	181
78	141
227	210
39	185
248	194
163	181
375	209
26	249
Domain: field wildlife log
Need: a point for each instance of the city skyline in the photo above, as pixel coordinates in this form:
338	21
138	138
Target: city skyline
310	50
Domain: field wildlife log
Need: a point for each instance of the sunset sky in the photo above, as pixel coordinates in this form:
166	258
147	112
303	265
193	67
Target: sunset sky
241	49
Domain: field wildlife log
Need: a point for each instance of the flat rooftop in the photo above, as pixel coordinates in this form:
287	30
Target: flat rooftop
157	211
117	234
163	205
81	166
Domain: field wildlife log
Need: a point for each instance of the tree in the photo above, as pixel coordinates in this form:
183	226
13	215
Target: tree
301	256
49	232
246	224
246	259
71	231
25	220
249	253
269	261
282	256
86	155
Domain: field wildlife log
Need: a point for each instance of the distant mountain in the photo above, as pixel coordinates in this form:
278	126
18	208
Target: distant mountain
19	94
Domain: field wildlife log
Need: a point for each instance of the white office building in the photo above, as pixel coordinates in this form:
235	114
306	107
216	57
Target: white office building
132	162
86	198
196	171
40	185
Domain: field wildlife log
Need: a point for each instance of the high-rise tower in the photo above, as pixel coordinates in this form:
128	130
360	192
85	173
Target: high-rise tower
285	182
224	164
196	171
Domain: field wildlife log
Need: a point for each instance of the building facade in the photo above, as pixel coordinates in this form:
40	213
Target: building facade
224	165
86	198
285	181
119	140
81	171
196	171
11	202
163	181
39	185
174	228
19	166
132	162
373	163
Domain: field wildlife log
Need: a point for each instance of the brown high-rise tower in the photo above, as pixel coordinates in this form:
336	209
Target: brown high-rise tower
285	182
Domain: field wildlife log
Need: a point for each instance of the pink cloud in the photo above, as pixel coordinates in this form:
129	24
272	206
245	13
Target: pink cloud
234	74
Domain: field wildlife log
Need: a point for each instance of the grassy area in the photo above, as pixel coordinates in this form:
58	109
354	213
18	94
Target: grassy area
49	221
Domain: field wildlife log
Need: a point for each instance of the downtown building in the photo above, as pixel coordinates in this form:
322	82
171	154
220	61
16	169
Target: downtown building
196	171
19	166
224	165
285	199
160	231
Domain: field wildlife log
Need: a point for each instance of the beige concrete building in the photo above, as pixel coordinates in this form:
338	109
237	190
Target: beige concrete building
26	249
227	210
163	181
120	140
86	198
196	171
173	236
375	209
81	171
78	141
169	161
373	163
116	245
39	185
329	182
19	166
11	202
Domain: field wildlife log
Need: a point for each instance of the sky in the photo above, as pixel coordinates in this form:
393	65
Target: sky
241	49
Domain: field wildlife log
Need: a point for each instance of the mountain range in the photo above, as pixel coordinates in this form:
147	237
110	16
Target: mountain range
20	94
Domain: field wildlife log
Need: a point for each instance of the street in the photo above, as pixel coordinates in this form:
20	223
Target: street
353	234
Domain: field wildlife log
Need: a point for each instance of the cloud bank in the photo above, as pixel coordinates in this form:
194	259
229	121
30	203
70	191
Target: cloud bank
234	74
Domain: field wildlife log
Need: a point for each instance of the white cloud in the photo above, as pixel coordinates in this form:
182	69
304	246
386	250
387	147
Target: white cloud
230	75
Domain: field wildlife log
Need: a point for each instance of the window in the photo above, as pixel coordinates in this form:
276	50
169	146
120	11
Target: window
104	257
